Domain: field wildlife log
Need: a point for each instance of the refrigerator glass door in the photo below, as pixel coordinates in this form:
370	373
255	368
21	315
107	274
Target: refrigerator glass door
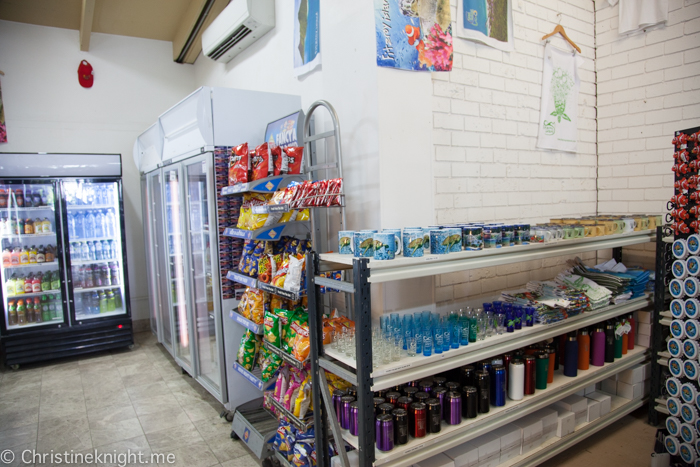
161	258
31	256
95	247
204	280
174	225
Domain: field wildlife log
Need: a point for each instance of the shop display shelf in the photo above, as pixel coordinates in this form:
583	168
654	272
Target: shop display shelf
29	236
660	405
246	323
270	233
264	185
553	446
58	320
289	359
300	424
34	294
664	357
253	377
414	368
256	284
94	261
282	460
85	317
272	208
93	239
92	289
450	436
430	265
665	322
28	209
77	207
255	428
31	265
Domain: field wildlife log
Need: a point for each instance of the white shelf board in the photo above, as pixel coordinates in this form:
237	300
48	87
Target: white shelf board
58	320
418	367
553	446
86	317
429	265
454	435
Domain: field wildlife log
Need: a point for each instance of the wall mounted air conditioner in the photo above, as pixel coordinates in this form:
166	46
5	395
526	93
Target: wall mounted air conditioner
240	24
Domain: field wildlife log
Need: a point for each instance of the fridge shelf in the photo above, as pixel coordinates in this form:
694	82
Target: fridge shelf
270	233
35	325
246	323
30	265
264	185
34	294
92	289
94	261
284	355
256	284
83	316
33	208
76	207
7	235
93	239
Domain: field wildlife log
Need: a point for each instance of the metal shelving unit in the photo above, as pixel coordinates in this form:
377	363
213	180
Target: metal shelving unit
360	372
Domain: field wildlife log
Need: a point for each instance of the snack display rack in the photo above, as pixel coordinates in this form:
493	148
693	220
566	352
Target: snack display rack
258	425
361	373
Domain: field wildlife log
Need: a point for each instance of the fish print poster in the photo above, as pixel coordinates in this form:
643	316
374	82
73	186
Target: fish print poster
307	40
414	34
487	21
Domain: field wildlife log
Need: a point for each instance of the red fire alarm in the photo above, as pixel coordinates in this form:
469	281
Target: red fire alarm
85	75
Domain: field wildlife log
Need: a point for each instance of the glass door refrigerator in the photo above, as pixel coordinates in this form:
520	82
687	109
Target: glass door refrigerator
63	258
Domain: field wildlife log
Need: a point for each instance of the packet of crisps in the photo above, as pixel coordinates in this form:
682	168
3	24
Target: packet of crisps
260	162
247	350
272	328
294	160
238	165
270	367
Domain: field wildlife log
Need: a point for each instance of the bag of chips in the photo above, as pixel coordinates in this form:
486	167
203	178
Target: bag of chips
294	272
285	439
294	160
238	165
277	160
281	274
269	366
302	455
272	328
301	404
260	162
302	345
248	349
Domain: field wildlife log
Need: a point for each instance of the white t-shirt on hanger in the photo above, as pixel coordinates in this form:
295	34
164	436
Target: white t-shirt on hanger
635	15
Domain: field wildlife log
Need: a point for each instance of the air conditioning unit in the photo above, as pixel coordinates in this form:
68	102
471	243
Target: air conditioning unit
240	24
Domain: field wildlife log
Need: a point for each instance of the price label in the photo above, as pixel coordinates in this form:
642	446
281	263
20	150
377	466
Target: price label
431	258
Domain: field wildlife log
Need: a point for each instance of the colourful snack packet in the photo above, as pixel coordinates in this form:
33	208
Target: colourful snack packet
270	367
247	350
272	329
277	160
260	162
294	159
238	165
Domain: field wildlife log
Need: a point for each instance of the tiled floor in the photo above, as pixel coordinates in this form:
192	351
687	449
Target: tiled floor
135	400
139	401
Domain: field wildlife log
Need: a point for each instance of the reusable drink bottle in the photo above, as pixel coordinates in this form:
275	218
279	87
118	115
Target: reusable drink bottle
609	342
571	356
516	380
598	346
541	370
584	349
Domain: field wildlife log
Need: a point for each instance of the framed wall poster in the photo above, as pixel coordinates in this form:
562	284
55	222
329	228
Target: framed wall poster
414	34
307	40
487	21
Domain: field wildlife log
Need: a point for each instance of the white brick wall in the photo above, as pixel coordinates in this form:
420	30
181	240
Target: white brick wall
485	118
648	87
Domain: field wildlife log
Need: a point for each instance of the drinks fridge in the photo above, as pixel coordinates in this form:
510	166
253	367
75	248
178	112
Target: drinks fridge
190	297
63	258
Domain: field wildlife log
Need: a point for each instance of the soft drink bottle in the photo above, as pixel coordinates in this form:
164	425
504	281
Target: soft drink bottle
99	224
113	248
95	302
98	251
80	224
103	302
89	279
117	299
28	287
110	195
111	304
106	251
46	282
55	281
89	225
114	273
36	283
91	251
110	224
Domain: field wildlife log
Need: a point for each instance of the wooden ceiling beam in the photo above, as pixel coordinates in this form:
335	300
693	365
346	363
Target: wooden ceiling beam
86	15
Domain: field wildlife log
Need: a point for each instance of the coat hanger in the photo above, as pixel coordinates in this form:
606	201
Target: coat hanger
560	29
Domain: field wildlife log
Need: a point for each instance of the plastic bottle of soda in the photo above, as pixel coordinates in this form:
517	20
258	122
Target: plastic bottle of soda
12	312
55	281
114	273
19	197
45	225
28	226
10	285
103	302
19	285
45	282
21	312
36	283
38	316
32	254
117	299
24	256
88	280
14	257
29	305
111	303
41	254
28	287
6	258
50	253
45	312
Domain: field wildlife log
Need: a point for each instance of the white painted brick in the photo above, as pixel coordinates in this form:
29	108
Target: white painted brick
453	91
665	62
465	139
442	137
445	153
682	43
447	185
489	53
491	82
480	154
470	78
466	170
465	107
449	122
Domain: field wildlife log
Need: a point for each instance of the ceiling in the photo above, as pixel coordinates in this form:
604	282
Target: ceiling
166	20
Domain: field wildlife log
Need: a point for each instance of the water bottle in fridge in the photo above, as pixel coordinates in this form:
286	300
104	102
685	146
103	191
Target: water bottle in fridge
100	195
71	226
113	248
98	251
80	224
110	195
84	252
91	251
95	303
99	225
110	223
89	225
106	252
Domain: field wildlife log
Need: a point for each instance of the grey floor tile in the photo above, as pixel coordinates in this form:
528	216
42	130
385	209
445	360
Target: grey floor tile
130	452
163	419
136	368
99	397
100	357
201	410
226	448
19	416
141	379
20	454
61	369
193	455
70	432
148	391
66	406
213	428
99	417
101	365
243	461
18	436
108	433
99	380
174	437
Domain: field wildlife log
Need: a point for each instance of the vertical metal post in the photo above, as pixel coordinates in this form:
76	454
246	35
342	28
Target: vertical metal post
316	344
617	254
657	338
363	349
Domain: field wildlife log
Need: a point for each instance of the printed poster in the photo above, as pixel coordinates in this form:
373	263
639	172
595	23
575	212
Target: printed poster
414	34
558	125
487	21
3	127
307	41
